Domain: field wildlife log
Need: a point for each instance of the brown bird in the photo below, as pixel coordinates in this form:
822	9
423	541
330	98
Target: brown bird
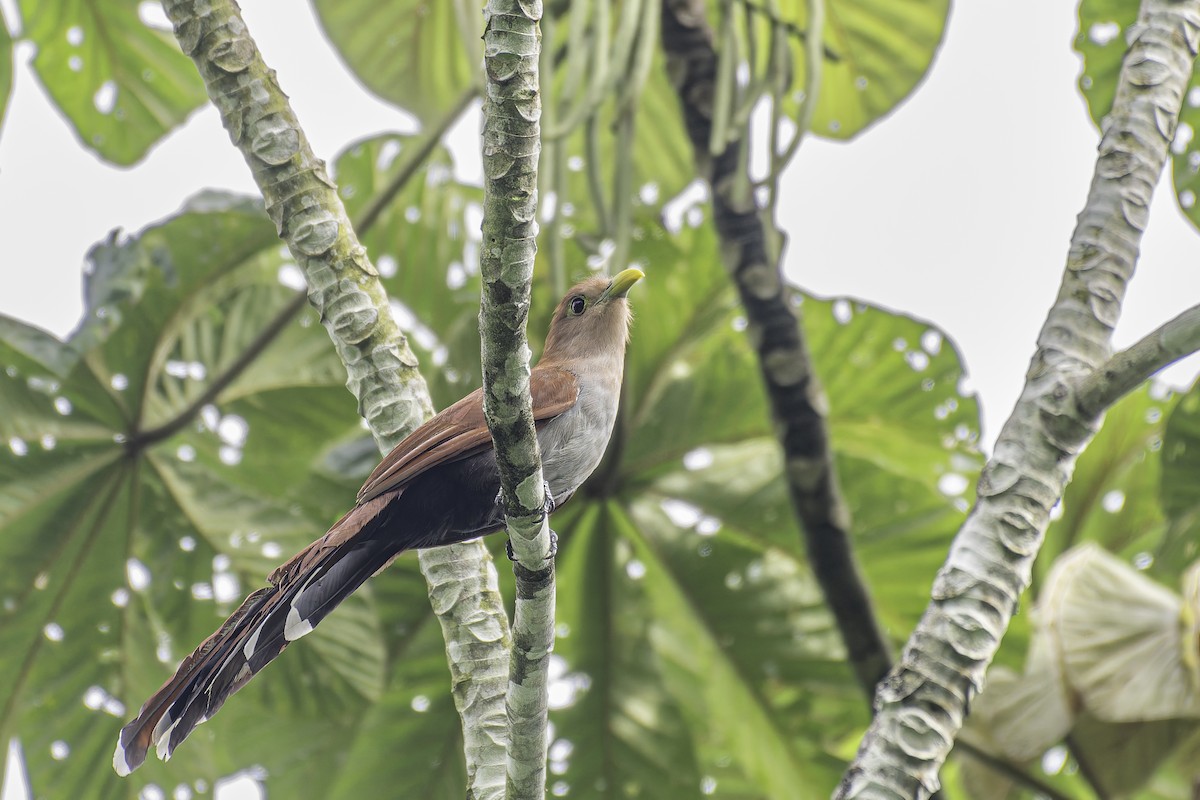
438	486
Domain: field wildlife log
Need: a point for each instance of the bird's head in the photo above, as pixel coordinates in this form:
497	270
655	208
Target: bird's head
593	319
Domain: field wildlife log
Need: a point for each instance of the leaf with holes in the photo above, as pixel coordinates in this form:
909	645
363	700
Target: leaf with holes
121	81
143	491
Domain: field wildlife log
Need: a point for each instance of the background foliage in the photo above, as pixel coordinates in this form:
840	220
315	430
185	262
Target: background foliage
154	473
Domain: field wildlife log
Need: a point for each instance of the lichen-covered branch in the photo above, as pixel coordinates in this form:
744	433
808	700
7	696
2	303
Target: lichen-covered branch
797	400
1127	369
921	706
511	144
301	200
344	287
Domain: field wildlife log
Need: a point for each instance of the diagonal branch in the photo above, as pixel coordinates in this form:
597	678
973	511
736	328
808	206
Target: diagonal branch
921	706
797	400
511	146
413	159
1127	369
344	288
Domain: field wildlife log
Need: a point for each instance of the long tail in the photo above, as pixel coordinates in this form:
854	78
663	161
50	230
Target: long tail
302	592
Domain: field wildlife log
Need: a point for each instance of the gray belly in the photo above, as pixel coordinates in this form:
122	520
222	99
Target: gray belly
573	443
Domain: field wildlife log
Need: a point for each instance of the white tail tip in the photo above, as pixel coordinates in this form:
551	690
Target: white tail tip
294	627
119	763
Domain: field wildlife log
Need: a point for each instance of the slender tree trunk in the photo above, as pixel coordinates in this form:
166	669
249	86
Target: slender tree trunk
511	145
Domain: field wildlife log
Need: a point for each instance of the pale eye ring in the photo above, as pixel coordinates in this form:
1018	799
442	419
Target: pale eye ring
577	305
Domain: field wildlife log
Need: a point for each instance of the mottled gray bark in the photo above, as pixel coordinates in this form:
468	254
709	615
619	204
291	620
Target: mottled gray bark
798	402
344	287
511	145
921	706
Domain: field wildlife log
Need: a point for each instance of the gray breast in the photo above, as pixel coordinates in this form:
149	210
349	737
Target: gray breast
574	442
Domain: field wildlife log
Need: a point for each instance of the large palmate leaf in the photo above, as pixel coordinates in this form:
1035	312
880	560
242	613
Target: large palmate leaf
1180	493
121	82
127	533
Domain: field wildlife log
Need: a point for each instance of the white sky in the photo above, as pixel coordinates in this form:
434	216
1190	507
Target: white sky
958	208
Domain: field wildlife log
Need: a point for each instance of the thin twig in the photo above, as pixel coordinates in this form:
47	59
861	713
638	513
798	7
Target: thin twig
412	159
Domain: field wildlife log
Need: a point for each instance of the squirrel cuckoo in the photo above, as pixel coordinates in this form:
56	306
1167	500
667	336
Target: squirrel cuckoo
438	486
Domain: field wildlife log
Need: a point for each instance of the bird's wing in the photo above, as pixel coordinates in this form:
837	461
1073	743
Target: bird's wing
461	431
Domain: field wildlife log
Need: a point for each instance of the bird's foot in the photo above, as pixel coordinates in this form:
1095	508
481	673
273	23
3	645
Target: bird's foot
508	549
548	507
548	504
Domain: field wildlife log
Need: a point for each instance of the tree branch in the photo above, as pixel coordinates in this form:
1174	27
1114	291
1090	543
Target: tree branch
797	401
344	288
1127	369
276	326
921	706
413	159
511	144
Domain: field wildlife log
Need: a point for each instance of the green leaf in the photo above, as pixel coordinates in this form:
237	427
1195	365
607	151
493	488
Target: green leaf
1100	41
1123	758
747	647
1179	493
421	56
411	741
122	83
684	586
129	537
6	69
617	732
1112	499
875	54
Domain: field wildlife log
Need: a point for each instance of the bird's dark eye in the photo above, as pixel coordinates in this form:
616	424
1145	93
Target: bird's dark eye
577	305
